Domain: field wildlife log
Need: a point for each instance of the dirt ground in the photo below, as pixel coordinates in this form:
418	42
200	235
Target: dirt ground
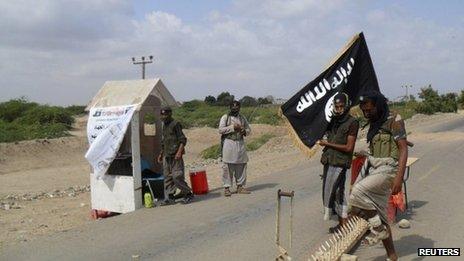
44	184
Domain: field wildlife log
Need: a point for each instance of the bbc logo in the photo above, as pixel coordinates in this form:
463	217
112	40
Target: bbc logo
439	251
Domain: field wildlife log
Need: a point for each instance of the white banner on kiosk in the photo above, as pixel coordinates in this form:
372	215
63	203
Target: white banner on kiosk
105	131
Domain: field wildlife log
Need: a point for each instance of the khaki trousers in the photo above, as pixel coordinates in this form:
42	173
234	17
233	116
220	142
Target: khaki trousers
174	176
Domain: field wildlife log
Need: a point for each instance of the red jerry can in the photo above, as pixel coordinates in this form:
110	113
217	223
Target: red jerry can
199	182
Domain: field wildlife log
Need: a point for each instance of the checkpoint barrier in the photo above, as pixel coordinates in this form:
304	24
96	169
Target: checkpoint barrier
342	241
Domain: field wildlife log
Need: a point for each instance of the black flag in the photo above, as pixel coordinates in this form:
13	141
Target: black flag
310	110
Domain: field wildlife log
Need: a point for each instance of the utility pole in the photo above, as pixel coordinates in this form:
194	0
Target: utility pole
142	61
407	90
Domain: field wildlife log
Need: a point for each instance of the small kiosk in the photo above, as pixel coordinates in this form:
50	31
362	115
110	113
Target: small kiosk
120	188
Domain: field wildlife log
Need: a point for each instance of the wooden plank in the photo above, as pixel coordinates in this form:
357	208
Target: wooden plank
112	193
136	192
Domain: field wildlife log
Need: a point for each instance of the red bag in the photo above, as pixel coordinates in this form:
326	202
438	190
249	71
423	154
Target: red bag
398	201
395	202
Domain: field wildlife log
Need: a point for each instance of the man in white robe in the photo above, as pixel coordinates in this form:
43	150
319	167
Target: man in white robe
233	127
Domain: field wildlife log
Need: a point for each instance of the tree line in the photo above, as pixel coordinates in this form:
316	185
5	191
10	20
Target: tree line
432	102
225	98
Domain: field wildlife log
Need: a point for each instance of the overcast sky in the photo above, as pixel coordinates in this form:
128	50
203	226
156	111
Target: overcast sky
61	52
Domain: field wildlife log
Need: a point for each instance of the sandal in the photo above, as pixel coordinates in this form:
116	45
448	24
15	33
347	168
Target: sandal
375	236
369	240
334	229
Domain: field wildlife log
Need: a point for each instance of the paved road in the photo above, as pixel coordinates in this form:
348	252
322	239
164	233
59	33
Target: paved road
242	227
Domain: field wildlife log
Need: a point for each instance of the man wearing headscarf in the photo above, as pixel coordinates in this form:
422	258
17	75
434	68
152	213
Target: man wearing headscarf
233	127
172	150
336	158
383	170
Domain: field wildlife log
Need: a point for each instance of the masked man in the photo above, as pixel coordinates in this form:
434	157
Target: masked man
233	127
172	149
336	158
382	172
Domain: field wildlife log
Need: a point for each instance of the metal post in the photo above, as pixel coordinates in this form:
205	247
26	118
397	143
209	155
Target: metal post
278	219
143	62
284	252
143	71
291	222
406	188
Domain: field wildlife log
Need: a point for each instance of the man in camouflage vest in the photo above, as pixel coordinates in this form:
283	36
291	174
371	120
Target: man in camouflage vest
383	170
233	127
172	149
336	158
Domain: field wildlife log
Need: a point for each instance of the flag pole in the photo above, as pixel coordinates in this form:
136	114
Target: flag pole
343	50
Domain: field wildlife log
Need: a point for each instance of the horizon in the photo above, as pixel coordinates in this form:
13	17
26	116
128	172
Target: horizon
62	53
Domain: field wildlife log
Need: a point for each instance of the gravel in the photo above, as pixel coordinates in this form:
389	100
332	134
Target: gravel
8	201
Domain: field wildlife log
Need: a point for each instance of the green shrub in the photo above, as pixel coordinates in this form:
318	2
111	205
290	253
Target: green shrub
263	115
76	109
23	120
405	109
191	105
248	101
200	114
149	118
14	131
24	112
50	131
16	108
425	108
212	152
461	99
210	100
432	102
449	102
47	115
224	99
264	101
258	142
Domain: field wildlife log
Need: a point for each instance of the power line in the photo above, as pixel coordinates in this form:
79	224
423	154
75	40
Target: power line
142	61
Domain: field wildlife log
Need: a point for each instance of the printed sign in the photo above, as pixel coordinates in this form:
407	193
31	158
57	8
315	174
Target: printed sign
105	131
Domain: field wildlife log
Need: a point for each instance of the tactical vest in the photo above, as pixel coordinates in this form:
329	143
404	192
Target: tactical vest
170	140
338	135
235	135
382	144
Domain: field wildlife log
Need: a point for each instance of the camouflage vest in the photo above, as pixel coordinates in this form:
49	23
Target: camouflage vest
338	135
170	140
382	144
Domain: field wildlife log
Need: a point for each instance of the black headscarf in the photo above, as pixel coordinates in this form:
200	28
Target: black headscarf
337	120
382	111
